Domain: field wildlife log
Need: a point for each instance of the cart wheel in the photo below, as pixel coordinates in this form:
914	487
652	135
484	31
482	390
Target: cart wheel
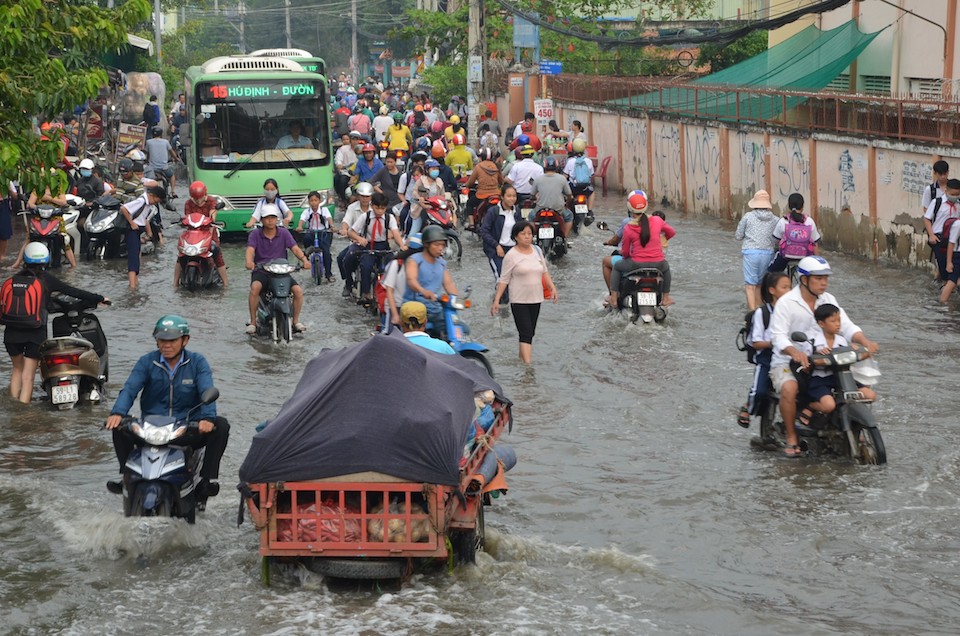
265	563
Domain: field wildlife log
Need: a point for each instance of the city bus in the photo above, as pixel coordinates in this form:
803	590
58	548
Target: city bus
306	59
241	108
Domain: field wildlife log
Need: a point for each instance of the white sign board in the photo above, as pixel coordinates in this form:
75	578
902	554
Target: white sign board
543	109
516	80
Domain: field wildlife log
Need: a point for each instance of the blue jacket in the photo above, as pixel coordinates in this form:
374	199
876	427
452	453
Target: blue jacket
492	226
365	172
163	397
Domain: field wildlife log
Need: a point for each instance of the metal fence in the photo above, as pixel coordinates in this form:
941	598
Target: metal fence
903	119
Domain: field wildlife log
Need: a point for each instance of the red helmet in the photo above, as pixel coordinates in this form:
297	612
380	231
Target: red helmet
198	191
438	151
368	147
428	106
459	140
436	127
637	202
526	126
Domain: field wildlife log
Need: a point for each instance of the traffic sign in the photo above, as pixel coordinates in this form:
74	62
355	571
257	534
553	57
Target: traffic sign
548	67
543	109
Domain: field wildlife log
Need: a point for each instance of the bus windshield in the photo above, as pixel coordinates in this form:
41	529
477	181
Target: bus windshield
261	124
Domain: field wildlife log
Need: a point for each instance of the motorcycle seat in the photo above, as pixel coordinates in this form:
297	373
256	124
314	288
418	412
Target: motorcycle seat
65	343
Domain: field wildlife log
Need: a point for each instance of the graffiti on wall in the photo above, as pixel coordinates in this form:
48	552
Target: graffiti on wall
666	159
846	172
753	162
703	163
915	176
634	152
793	167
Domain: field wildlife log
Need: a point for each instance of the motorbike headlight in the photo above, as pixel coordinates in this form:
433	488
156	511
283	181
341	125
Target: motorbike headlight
157	435
191	250
845	357
280	268
99	226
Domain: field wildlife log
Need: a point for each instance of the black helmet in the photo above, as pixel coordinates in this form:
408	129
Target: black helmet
551	164
157	131
125	165
432	234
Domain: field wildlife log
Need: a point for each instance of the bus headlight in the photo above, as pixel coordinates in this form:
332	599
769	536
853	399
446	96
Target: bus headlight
222	201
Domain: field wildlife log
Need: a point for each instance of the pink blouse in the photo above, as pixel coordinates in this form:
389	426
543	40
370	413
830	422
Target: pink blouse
651	252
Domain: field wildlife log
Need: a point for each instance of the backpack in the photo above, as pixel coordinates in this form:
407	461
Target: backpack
743	336
581	173
796	239
945	235
22	303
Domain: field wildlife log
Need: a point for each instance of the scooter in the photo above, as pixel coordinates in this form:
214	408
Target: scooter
582	214
641	293
456	332
106	230
43	226
74	365
160	478
275	311
849	431
549	235
196	247
437	211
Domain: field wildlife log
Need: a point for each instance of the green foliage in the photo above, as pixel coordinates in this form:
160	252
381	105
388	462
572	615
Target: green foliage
48	65
445	81
720	57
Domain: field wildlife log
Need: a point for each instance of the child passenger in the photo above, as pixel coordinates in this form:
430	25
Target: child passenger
823	381
774	285
317	217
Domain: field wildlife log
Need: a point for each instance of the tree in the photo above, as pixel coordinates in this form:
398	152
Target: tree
720	57
49	66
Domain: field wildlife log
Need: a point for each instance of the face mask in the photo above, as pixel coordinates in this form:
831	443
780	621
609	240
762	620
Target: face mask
953	199
434	173
86	173
270	194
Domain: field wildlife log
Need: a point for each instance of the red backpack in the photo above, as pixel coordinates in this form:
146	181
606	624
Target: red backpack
22	303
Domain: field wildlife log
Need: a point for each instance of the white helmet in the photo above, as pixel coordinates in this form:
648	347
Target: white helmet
87	163
813	266
270	209
384	109
137	155
36	254
364	189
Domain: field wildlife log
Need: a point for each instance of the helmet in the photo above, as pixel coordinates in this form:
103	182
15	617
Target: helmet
384	109
418	156
368	147
87	164
454	119
197	190
418	108
397	117
637	202
551	164
171	327
355	134
270	209
125	165
415	241
438	151
36	254
423	143
485	154
436	127
358	108
526	127
137	166
432	234
523	140
527	151
364	189
579	145
813	266
428	106
157	131
432	163
459	140
137	155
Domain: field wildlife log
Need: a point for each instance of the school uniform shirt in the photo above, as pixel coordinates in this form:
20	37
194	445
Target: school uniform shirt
316	219
794	314
353	213
139	210
808	221
280	203
395	278
939	217
931	192
819	342
758	331
365	229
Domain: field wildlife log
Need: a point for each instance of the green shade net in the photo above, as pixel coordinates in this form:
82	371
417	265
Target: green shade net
807	62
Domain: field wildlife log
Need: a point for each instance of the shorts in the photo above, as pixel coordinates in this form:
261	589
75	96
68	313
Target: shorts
26	349
264	278
780	376
820	386
616	258
755	264
566	214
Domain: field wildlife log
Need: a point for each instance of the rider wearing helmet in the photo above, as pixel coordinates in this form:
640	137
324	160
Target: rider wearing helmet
359	122
170	382
398	135
523	173
579	170
88	185
26	322
459	158
427	274
207	206
454	128
795	312
347	258
381	123
368	165
641	246
488	179
159	155
552	191
265	244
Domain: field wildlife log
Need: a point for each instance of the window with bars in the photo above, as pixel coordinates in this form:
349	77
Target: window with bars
876	84
925	88
839	84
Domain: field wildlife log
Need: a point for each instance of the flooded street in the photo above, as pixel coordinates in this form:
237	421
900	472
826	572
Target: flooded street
637	505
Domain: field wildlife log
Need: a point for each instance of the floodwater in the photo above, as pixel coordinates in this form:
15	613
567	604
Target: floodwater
637	506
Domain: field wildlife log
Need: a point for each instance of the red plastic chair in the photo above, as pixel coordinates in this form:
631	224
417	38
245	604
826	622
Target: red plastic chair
601	173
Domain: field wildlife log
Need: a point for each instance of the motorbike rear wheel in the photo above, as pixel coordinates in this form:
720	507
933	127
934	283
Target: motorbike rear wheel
480	359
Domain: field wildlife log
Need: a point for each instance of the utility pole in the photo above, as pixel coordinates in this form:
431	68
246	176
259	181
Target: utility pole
156	25
476	63
287	11
354	61
242	10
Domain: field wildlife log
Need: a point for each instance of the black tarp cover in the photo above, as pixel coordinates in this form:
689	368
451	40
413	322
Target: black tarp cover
383	405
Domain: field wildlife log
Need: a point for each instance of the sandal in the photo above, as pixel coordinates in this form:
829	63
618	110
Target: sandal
805	416
792	451
743	418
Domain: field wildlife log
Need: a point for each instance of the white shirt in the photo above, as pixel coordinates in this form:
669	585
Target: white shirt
309	221
781	227
139	210
793	314
954	234
364	229
508	222
345	156
353	213
928	197
395	278
521	173
284	208
380	125
947	210
819	342
758	331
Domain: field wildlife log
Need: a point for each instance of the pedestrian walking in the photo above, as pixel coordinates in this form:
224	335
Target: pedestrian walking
759	245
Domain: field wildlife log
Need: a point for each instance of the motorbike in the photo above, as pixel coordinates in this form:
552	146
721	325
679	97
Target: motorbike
437	212
582	214
106	230
549	235
275	311
160	478
849	431
196	247
384	149
456	332
641	293
44	226
74	365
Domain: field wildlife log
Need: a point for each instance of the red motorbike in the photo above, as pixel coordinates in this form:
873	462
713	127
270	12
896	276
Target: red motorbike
196	248
436	211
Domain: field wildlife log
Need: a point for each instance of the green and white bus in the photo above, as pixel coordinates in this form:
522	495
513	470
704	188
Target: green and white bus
242	106
306	59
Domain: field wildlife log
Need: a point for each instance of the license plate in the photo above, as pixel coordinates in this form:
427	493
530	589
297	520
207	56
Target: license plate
65	394
383	154
581	208
646	298
545	233
463	199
